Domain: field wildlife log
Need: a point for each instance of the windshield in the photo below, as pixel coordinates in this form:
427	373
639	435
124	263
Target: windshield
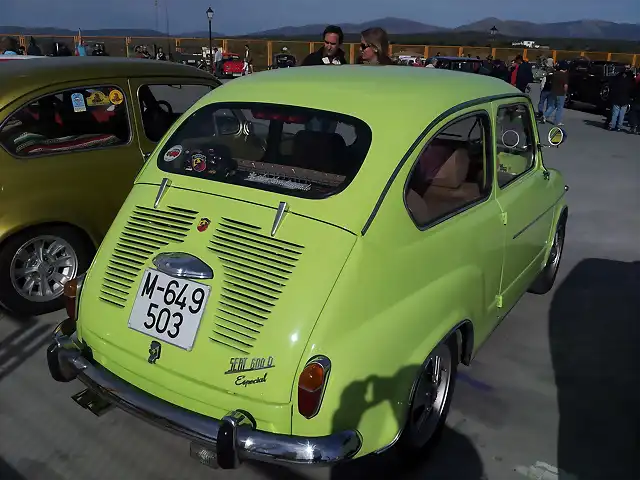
298	151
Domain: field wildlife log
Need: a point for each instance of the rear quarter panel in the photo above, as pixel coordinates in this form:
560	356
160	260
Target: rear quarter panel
385	315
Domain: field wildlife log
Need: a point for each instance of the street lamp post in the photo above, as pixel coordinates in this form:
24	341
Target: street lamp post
210	17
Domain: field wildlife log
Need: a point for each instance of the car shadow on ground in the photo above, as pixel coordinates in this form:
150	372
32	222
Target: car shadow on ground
7	472
18	346
454	457
594	334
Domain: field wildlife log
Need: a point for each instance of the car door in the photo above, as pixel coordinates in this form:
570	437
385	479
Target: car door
160	101
451	250
71	154
524	194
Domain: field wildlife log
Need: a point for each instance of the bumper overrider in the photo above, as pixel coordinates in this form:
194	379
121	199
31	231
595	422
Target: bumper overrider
216	443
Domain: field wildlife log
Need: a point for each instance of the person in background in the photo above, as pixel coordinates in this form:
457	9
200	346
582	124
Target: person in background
545	93
33	48
555	101
248	61
432	63
620	92
8	46
522	74
374	47
217	59
160	55
331	53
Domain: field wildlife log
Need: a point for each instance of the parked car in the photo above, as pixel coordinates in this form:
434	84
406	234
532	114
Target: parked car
282	59
232	65
280	287
461	64
73	133
589	81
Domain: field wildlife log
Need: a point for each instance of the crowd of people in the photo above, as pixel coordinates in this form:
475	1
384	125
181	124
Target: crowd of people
624	91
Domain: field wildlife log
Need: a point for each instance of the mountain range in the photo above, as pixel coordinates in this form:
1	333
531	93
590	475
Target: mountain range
587	29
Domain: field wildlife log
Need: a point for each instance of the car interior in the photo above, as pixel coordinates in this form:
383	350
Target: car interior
50	125
157	115
450	172
297	149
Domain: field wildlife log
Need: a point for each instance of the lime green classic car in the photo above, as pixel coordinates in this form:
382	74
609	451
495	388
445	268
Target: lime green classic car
295	277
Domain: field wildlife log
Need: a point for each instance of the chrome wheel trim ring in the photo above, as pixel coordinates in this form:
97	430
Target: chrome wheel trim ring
430	398
556	249
41	266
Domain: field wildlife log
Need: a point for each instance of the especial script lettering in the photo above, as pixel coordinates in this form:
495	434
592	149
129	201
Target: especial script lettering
241	380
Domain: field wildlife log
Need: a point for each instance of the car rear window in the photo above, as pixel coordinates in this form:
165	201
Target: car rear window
298	151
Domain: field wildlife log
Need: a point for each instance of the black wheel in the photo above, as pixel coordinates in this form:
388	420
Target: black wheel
430	402
547	276
36	263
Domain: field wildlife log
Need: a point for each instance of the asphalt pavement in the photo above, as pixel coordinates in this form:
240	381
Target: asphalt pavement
553	394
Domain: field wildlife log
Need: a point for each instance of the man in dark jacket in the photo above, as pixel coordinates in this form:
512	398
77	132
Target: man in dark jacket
522	75
33	48
620	95
330	53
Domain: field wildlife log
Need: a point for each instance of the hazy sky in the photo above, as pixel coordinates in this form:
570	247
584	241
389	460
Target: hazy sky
244	16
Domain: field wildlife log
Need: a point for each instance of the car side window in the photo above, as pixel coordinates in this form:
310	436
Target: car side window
162	104
82	118
452	172
515	143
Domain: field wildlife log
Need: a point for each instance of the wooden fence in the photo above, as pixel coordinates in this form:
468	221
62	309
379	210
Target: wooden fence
262	50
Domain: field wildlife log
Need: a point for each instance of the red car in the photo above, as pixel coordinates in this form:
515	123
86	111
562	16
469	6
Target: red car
232	65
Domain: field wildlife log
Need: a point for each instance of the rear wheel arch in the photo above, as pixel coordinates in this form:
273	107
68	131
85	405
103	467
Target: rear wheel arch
463	337
91	241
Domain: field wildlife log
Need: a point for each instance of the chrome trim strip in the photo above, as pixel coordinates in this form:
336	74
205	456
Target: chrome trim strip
182	265
166	183
529	225
251	444
282	209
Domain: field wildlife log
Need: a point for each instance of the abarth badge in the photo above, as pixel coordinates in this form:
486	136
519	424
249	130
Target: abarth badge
203	224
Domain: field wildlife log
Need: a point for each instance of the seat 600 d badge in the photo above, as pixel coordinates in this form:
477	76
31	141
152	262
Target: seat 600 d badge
242	364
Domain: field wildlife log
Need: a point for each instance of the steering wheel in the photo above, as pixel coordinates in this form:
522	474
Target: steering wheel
169	108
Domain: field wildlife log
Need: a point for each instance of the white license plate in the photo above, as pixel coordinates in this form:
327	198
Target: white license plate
237	74
168	308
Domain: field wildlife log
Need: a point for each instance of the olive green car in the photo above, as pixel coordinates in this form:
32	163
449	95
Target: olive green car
295	278
73	133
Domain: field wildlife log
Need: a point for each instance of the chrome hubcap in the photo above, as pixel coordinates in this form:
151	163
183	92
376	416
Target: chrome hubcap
430	396
41	267
556	250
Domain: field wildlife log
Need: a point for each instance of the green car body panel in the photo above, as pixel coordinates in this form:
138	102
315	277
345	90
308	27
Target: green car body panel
363	285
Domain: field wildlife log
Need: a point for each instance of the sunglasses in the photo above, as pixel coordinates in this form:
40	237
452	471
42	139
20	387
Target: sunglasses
364	46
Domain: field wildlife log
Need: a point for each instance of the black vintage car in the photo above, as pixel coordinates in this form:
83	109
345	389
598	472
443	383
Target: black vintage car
589	81
282	60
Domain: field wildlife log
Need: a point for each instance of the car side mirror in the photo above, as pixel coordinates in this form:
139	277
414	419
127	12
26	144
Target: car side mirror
556	137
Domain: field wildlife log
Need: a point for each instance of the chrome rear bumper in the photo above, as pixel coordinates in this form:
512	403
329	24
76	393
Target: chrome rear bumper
218	443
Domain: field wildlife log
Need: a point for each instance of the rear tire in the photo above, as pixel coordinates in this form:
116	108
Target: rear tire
34	265
430	403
